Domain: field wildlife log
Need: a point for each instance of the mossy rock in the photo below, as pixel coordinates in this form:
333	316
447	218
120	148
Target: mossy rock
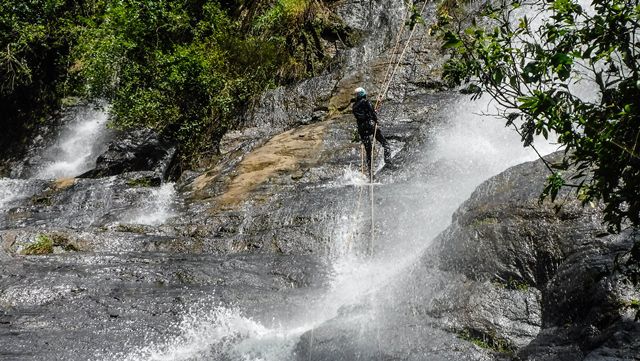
41	201
43	245
143	182
487	341
46	244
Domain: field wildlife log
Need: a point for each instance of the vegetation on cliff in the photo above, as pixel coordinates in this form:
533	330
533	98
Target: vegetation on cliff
537	70
35	38
183	67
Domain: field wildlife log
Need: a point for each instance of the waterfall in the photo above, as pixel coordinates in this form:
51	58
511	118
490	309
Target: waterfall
8	191
465	150
252	282
82	139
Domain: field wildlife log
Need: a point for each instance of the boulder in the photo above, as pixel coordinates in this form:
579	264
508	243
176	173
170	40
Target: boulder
138	150
505	238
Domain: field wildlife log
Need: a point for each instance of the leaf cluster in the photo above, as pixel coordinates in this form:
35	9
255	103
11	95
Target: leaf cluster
179	67
556	68
35	36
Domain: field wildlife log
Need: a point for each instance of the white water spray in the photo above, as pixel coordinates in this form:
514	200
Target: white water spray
158	207
79	144
465	151
221	333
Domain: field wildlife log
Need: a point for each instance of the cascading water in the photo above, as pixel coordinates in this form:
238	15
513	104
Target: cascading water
13	190
81	141
463	152
140	286
157	207
83	137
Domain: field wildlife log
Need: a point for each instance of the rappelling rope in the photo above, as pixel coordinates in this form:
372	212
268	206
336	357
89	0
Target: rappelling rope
393	54
406	46
379	100
382	95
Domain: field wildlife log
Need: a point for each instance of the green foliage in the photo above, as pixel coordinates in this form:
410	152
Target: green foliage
298	27
487	221
534	71
513	284
184	68
188	68
554	183
635	305
487	341
43	245
139	182
34	41
172	66
130	228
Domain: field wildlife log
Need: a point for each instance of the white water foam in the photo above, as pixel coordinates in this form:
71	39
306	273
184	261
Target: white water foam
351	177
463	153
158	207
80	143
221	333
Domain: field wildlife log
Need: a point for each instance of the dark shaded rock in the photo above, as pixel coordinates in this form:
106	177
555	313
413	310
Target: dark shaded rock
502	234
137	150
586	306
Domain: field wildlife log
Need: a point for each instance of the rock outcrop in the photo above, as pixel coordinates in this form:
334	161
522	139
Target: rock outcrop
560	260
134	151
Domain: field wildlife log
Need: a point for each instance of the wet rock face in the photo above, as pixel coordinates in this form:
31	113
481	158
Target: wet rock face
503	239
503	233
504	319
137	150
81	307
287	195
508	275
80	202
402	337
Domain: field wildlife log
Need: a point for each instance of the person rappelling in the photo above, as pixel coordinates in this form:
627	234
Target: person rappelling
368	126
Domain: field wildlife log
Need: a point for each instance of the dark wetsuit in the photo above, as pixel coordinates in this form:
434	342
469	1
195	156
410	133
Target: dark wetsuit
367	119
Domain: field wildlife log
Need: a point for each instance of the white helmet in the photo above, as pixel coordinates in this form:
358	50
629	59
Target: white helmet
360	92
